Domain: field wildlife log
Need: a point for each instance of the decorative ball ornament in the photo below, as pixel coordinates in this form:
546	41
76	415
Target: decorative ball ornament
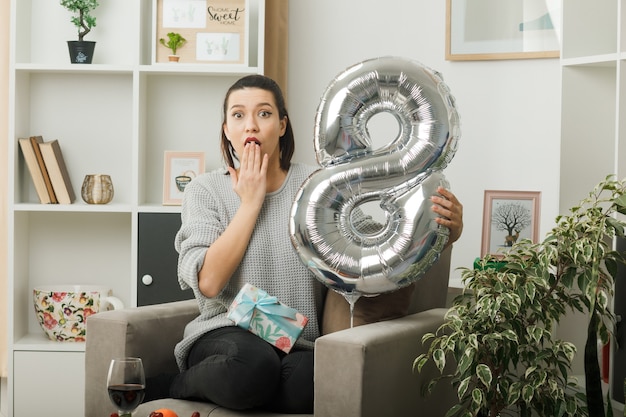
345	250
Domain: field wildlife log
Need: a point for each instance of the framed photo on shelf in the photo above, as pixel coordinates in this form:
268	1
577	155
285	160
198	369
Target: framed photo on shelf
178	171
509	216
216	31
496	29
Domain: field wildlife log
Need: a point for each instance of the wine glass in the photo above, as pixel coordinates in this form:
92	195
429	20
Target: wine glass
126	384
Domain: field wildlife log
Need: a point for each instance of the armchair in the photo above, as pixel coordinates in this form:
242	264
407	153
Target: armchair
364	371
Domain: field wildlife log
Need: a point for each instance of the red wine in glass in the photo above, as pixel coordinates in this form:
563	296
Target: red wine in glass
126	384
126	397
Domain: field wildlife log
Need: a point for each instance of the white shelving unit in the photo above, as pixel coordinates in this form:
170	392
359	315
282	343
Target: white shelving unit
593	129
116	116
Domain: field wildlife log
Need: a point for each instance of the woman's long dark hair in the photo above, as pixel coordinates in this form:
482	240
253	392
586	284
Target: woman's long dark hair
286	142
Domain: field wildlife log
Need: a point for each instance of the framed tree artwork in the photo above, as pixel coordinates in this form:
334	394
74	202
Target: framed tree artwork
509	216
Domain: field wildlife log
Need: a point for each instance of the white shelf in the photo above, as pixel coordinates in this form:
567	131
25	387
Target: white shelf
116	116
589	28
69	68
593	105
198	69
605	60
154	208
78	206
39	342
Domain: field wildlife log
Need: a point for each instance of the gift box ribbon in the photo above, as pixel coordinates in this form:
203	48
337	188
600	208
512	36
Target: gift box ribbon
242	314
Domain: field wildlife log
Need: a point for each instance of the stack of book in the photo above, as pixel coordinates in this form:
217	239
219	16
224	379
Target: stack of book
47	169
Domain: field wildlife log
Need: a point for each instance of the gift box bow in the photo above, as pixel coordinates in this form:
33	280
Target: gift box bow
242	314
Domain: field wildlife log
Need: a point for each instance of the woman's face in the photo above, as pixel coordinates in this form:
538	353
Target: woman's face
252	116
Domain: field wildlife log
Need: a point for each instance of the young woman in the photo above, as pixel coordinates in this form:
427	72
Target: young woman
234	231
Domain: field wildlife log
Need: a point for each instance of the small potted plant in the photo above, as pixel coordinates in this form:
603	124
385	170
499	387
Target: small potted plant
175	41
81	51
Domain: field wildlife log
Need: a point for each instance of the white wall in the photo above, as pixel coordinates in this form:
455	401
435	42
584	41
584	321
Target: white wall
510	110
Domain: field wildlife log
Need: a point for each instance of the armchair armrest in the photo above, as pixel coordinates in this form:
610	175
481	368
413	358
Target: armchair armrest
148	332
367	371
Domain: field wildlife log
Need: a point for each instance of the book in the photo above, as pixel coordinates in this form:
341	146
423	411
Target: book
35	170
35	141
57	170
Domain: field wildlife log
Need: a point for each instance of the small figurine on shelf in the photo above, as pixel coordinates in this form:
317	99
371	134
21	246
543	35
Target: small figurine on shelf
175	41
81	51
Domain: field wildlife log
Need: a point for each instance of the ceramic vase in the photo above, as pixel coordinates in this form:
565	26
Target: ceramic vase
97	189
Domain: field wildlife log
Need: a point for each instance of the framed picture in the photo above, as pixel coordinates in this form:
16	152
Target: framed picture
216	31
179	169
496	29
509	216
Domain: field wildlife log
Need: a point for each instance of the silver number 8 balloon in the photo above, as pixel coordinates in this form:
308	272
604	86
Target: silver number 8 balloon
342	247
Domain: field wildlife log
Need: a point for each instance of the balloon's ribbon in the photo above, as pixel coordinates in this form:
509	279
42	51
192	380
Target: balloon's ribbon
243	312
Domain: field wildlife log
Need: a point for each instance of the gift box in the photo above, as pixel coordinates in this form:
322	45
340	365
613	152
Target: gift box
263	315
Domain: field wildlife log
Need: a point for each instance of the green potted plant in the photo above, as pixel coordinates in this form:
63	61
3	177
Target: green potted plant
174	41
499	332
81	51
